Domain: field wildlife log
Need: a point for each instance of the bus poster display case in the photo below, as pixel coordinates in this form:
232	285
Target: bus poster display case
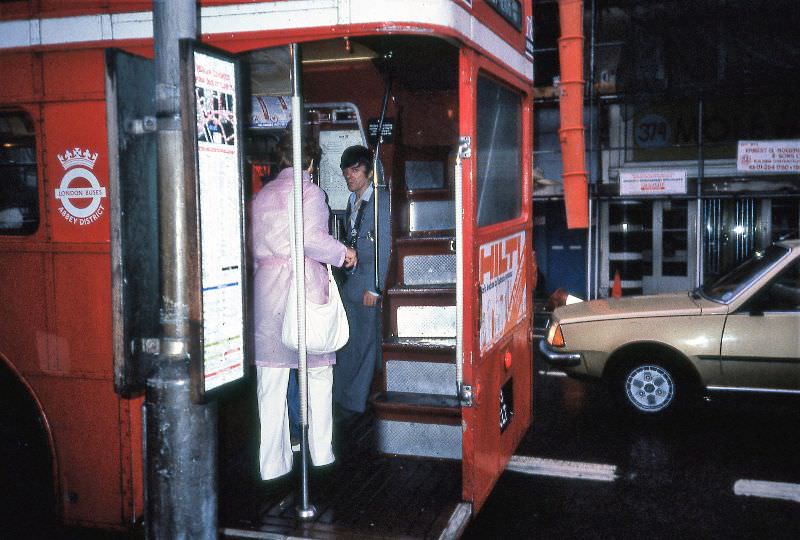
213	137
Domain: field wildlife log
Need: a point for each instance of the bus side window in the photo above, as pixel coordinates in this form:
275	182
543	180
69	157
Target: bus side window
19	201
499	152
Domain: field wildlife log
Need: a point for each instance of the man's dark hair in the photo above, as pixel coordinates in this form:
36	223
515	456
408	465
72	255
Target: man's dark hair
356	155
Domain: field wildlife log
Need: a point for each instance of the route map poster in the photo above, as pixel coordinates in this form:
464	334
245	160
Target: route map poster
222	225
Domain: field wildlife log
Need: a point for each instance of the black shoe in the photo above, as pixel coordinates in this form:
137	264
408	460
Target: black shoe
294	440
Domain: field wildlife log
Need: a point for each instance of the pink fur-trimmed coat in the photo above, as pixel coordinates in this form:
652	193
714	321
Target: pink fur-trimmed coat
274	269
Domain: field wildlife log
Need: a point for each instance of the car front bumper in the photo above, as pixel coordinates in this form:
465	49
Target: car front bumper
558	358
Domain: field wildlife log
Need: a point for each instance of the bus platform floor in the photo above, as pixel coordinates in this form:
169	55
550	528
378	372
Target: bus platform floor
364	494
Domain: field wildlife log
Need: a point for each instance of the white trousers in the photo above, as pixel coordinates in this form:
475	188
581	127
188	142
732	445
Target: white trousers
275	455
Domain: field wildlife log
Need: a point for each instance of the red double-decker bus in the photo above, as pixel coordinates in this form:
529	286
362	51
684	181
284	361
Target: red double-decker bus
456	158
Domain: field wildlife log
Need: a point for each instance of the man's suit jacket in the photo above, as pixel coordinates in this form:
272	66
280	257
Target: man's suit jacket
363	276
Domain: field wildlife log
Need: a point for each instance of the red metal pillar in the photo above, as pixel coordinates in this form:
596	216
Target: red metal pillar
571	133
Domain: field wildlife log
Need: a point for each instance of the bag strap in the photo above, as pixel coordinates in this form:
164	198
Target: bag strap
352	229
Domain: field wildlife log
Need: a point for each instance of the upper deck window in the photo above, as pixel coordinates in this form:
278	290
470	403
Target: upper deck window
19	204
499	152
510	10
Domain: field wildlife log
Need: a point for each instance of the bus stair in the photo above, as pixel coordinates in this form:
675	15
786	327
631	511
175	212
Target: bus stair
417	409
364	494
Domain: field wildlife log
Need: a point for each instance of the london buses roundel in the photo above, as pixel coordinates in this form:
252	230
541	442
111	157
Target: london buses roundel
80	203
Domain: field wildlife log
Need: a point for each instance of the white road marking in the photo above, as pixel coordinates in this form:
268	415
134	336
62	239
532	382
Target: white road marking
229	532
769	490
565	469
552	373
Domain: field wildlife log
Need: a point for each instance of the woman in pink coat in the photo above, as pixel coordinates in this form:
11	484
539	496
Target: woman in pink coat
273	273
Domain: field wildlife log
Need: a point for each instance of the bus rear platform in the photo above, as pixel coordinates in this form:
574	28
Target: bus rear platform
364	494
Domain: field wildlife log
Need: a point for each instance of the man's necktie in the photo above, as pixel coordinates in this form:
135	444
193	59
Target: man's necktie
353	236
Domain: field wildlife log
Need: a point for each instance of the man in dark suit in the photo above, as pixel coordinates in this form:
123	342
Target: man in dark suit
356	362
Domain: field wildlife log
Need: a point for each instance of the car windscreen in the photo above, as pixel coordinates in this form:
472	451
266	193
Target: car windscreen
731	284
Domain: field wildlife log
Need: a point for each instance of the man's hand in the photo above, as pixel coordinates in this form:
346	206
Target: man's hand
369	299
350	258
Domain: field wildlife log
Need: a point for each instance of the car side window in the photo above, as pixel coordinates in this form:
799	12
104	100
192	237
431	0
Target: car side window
782	293
785	291
19	180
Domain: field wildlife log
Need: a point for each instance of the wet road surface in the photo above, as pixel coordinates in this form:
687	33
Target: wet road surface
687	477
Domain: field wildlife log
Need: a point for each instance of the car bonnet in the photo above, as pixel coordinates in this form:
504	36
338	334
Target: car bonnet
659	305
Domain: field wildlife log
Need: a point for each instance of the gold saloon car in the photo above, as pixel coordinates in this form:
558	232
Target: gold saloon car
740	332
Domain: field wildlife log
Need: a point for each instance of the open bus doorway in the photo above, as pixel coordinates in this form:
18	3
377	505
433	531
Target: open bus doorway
344	83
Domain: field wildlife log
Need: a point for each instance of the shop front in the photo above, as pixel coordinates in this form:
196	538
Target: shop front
691	188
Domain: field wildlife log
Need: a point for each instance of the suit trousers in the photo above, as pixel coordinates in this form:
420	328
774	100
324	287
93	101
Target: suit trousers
275	454
357	360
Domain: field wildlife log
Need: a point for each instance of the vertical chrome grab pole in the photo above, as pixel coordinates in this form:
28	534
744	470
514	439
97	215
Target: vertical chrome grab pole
376	161
462	152
304	510
375	224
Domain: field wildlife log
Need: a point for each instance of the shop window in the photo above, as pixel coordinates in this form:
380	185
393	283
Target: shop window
730	229
546	31
499	152
19	182
674	239
785	218
630	237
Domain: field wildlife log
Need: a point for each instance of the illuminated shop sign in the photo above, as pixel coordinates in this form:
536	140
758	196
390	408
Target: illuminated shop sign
768	156
639	183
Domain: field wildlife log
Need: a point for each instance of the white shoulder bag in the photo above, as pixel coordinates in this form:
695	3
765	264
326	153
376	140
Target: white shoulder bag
327	330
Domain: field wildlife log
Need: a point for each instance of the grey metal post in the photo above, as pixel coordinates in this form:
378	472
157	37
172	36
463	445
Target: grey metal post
592	149
180	436
698	275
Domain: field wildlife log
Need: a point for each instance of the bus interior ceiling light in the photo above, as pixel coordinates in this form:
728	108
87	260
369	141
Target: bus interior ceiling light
331	50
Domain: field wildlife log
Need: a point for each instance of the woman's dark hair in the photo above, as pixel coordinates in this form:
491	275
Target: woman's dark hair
284	152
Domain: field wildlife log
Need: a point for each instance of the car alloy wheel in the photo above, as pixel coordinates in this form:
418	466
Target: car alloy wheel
649	388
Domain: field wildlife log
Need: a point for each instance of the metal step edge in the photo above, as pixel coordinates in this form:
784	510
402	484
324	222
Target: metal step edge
418	439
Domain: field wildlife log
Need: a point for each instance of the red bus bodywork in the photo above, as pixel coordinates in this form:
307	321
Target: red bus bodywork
55	299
